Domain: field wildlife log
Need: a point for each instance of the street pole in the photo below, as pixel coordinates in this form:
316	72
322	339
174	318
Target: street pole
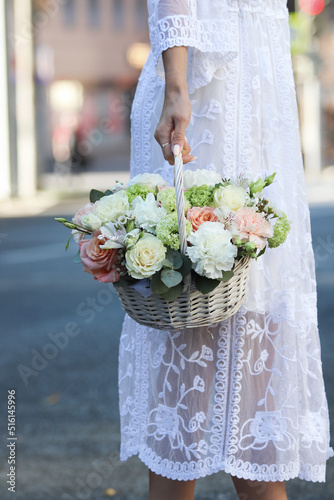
25	98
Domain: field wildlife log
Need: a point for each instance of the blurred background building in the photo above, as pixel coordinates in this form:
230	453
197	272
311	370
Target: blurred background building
68	73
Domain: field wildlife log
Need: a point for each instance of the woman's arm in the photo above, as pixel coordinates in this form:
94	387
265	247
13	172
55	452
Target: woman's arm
176	110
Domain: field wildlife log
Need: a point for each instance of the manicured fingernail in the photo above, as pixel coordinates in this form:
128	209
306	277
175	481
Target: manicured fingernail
194	158
176	149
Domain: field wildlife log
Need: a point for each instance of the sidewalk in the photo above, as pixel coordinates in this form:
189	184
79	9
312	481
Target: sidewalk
71	193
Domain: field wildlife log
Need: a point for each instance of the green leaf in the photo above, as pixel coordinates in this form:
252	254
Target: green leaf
170	277
205	285
227	275
95	195
186	266
261	253
77	259
157	285
108	192
130	226
175	258
173	293
167	263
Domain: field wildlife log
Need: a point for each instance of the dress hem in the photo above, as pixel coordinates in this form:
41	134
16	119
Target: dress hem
306	472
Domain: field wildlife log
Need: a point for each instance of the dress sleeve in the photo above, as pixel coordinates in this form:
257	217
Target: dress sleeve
208	27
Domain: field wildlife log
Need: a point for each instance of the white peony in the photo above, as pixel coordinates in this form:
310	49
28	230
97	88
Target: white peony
230	196
147	212
146	257
150	180
200	177
212	251
110	207
91	222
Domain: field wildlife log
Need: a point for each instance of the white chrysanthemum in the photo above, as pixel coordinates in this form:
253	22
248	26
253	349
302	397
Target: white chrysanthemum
146	257
147	212
91	222
150	180
110	207
200	177
212	251
230	196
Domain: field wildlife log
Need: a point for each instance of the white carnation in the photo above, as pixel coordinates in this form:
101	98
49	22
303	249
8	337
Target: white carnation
200	177
212	251
147	212
149	180
146	257
91	222
230	196
110	207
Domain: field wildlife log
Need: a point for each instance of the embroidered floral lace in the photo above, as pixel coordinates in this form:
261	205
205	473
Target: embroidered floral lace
247	395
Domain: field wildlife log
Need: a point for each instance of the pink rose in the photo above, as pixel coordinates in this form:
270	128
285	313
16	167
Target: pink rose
252	226
102	264
87	209
198	215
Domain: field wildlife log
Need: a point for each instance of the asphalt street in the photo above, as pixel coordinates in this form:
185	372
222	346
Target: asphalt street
59	350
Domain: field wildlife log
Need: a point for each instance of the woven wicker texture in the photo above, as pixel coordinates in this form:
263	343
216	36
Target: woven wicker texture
192	308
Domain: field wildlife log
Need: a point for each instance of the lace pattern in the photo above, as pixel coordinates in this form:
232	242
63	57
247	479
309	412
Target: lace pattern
246	395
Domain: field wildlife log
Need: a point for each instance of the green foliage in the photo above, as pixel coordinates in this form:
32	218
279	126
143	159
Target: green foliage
173	293
205	285
170	278
95	195
227	275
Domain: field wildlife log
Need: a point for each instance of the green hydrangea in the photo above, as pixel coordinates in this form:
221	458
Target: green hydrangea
137	190
200	196
281	229
168	230
167	197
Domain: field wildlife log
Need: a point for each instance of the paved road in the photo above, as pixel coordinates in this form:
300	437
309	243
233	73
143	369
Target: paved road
59	337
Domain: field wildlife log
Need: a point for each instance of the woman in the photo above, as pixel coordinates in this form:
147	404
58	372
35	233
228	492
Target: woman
245	396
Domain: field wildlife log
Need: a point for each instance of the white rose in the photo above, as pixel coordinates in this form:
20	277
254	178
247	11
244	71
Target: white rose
230	196
147	212
200	177
146	257
212	251
91	222
110	207
150	180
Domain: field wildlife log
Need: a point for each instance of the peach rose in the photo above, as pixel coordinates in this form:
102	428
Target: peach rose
198	215
102	264
252	226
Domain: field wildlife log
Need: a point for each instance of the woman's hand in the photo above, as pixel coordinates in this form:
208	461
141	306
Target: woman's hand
176	111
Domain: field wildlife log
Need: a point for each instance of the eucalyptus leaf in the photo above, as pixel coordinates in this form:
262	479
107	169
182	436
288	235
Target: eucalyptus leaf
205	285
227	275
175	258
173	293
167	263
157	285
95	195
170	277
108	192
77	259
125	281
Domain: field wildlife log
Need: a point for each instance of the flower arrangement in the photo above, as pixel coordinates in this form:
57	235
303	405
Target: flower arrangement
129	235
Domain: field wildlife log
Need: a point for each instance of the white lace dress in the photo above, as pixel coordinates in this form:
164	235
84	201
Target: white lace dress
247	395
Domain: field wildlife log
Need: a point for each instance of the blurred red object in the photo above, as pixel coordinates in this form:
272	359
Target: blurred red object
312	7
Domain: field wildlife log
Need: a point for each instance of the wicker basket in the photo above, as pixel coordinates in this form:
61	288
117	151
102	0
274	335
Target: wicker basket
191	309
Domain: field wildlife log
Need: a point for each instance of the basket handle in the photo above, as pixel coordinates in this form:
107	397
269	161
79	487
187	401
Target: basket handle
178	183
